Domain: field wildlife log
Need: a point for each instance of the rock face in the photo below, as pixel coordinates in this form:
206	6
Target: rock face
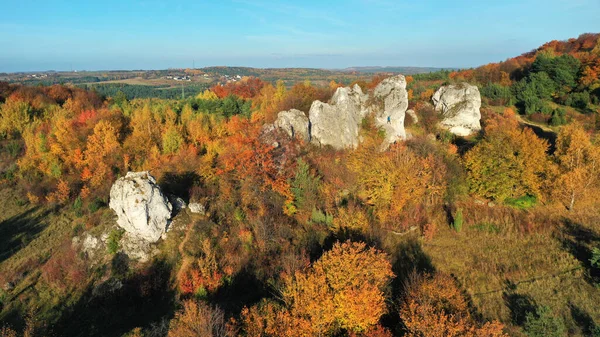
338	123
141	207
392	92
197	208
459	104
294	123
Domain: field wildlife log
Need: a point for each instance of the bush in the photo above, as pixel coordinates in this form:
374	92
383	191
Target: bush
524	202
113	241
558	117
77	205
458	221
498	94
96	205
319	217
579	100
595	259
543	323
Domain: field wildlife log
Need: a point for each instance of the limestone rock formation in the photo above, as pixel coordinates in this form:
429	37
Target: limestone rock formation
338	123
141	207
392	93
137	248
413	115
294	123
197	208
459	104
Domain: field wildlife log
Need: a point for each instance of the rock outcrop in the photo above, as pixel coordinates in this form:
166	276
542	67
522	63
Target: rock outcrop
294	123
392	92
141	208
197	208
459	105
338	122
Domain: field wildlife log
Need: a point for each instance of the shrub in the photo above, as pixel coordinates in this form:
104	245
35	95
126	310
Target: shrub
543	323
497	94
197	319
113	241
319	217
558	117
96	205
458	221
595	259
524	202
579	100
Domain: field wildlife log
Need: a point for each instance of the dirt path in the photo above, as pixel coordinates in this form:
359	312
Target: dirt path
545	128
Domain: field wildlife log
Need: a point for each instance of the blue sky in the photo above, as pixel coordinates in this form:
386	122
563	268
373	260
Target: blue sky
155	34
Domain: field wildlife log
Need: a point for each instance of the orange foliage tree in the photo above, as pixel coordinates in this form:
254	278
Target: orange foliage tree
197	319
579	167
344	289
247	88
435	306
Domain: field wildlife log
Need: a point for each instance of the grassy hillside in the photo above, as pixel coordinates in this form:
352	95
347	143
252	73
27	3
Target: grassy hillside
493	234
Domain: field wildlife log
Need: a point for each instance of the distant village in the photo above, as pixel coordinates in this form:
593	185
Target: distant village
186	78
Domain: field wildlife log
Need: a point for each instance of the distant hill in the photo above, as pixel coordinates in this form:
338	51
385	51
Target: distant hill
399	70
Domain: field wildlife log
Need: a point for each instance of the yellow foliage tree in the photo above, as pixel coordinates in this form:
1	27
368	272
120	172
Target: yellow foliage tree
579	166
509	162
102	152
344	289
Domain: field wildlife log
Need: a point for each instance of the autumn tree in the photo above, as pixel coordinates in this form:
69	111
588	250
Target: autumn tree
197	319
435	306
101	153
344	289
579	167
15	115
393	180
509	162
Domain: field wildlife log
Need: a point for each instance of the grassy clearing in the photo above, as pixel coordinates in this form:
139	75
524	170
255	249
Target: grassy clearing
507	273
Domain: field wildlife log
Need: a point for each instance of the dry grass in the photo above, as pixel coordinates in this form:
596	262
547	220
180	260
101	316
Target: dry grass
496	263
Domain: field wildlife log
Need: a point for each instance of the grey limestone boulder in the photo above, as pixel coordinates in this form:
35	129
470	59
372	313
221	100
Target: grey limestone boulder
392	93
142	209
294	123
459	105
337	123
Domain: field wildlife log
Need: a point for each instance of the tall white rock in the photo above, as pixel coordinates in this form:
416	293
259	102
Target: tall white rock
338	123
392	91
141	208
459	105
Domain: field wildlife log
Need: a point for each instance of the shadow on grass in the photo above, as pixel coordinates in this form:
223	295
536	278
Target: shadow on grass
519	304
408	260
110	310
179	184
549	136
584	321
16	232
243	291
579	241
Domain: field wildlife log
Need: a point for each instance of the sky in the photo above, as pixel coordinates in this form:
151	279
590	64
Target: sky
157	34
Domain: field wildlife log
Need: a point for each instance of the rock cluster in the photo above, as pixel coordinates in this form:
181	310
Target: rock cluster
459	105
141	208
338	122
